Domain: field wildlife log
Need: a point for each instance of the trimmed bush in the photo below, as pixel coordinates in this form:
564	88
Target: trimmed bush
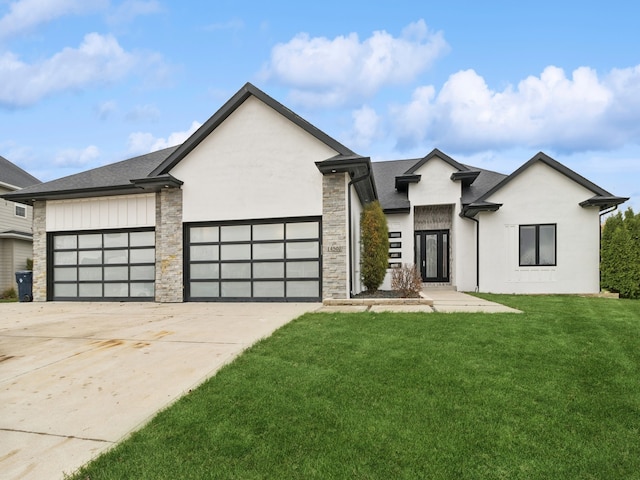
406	280
374	238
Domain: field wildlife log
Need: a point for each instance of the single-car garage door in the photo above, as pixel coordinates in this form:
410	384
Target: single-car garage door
267	260
102	265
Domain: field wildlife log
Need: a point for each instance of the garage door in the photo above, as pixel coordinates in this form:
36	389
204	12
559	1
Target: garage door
105	265
275	260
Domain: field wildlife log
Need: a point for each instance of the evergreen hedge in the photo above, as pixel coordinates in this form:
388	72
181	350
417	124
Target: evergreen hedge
620	254
374	238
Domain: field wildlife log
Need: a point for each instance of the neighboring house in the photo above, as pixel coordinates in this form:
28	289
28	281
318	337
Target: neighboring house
259	205
15	224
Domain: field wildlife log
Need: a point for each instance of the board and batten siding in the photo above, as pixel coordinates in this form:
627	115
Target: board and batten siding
122	211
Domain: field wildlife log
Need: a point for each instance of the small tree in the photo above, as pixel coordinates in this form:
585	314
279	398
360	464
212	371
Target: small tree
374	238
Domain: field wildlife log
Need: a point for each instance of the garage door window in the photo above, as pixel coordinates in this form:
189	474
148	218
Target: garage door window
275	260
102	266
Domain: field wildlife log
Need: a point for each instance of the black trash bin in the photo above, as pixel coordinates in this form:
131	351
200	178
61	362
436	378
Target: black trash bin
25	285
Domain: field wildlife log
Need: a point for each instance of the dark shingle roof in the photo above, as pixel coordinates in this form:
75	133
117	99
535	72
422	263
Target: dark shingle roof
384	174
13	175
391	199
115	176
481	185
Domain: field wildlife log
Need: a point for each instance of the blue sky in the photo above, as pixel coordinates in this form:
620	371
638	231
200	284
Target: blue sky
89	82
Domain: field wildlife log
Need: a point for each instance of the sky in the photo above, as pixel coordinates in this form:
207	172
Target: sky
84	83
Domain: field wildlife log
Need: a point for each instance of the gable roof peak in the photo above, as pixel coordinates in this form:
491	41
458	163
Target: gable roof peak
601	198
442	156
248	90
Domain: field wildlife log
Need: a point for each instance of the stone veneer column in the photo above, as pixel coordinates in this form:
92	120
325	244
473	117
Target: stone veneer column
169	248
39	251
335	255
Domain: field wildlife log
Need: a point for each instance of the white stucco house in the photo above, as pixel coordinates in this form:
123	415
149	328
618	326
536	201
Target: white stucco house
259	205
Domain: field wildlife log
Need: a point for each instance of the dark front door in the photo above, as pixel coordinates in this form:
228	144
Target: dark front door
432	255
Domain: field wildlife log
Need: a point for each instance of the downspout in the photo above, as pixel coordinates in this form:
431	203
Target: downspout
477	222
351	265
611	209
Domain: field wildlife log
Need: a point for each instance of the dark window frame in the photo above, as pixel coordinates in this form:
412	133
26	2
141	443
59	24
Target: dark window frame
102	265
21	208
251	261
537	245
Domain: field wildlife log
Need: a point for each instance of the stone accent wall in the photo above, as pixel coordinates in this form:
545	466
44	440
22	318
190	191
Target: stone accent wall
335	254
433	217
39	252
169	246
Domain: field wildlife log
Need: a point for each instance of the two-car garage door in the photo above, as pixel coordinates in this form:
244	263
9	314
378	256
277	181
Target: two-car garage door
268	260
274	260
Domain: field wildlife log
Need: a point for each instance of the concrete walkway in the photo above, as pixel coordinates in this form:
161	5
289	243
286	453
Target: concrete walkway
435	299
75	378
446	299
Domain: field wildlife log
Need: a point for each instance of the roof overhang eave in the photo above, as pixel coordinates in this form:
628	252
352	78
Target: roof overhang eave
27	198
16	236
603	202
467	177
472	209
157	183
358	168
391	211
403	181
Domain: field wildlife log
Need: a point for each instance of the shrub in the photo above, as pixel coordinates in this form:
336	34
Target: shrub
374	238
9	294
406	280
620	255
29	264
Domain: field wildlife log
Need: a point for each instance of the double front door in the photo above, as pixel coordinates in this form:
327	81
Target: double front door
432	255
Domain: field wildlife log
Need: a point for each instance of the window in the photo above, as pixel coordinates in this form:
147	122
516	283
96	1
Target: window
537	245
21	211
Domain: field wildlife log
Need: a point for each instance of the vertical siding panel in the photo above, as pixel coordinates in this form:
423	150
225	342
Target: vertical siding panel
101	213
123	213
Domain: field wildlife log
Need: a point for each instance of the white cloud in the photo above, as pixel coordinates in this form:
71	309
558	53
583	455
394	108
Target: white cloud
143	113
25	15
144	142
98	60
72	157
366	127
576	113
128	10
105	109
325	72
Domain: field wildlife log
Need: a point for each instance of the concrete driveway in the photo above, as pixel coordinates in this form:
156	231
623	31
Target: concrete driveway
75	378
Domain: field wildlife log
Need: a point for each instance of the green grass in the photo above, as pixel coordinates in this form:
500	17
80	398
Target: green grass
553	393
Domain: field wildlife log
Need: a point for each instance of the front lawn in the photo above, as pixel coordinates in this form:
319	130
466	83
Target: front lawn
553	393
